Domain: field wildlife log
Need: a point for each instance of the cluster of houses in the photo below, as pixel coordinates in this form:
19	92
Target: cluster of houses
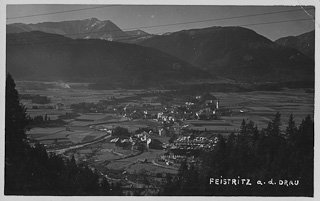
203	107
188	148
141	111
138	141
166	117
196	143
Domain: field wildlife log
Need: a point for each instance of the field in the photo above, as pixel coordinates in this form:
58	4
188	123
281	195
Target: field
96	118
73	93
62	135
259	107
132	125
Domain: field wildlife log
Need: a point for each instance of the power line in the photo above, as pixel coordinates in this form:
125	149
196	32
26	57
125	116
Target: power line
67	11
172	24
135	37
273	22
218	19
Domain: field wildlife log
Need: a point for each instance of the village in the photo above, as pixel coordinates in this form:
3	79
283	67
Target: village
127	135
184	144
130	135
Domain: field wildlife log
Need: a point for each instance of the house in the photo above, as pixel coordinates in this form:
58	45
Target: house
59	106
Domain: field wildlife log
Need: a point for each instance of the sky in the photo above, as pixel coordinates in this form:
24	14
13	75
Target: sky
148	17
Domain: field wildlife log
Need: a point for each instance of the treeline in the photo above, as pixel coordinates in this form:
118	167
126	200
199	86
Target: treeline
35	172
276	163
38	99
101	106
44	120
29	170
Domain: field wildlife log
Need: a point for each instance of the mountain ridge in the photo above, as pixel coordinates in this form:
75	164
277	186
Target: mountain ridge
305	43
92	59
236	53
91	28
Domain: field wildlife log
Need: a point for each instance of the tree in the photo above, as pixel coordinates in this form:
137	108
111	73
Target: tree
16	121
274	126
30	170
272	156
121	132
291	130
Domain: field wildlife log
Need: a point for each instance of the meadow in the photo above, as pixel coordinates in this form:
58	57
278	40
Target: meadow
258	106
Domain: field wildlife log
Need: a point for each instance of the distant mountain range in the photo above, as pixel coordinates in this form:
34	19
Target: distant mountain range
42	56
235	52
305	43
82	29
229	52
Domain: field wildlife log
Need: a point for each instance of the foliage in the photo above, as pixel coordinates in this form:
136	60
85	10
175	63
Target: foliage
40	99
16	121
121	132
256	155
156	144
29	170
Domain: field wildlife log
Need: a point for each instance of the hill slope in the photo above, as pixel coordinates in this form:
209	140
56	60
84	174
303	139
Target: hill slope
42	56
305	43
236	53
136	36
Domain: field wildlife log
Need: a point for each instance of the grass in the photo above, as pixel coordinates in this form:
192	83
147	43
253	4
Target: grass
45	131
262	106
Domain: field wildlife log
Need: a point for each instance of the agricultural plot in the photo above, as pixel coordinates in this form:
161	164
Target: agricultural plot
106	155
135	163
258	107
149	168
60	135
45	131
132	125
261	106
96	118
50	112
75	94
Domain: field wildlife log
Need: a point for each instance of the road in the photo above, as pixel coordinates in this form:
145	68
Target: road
63	150
163	166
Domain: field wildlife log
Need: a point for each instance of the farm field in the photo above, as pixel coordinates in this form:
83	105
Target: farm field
131	125
259	107
62	135
96	118
70	93
107	157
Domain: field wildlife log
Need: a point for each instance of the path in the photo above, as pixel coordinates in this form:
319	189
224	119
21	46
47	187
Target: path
62	150
163	166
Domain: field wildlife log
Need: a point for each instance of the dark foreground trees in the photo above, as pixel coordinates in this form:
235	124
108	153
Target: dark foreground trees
31	171
276	163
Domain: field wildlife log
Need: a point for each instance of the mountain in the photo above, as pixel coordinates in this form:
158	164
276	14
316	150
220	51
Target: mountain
42	56
136	36
137	33
83	29
305	43
236	53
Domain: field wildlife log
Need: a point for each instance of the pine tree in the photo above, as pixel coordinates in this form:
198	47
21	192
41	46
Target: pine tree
305	154
291	130
16	121
243	133
274	126
29	170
